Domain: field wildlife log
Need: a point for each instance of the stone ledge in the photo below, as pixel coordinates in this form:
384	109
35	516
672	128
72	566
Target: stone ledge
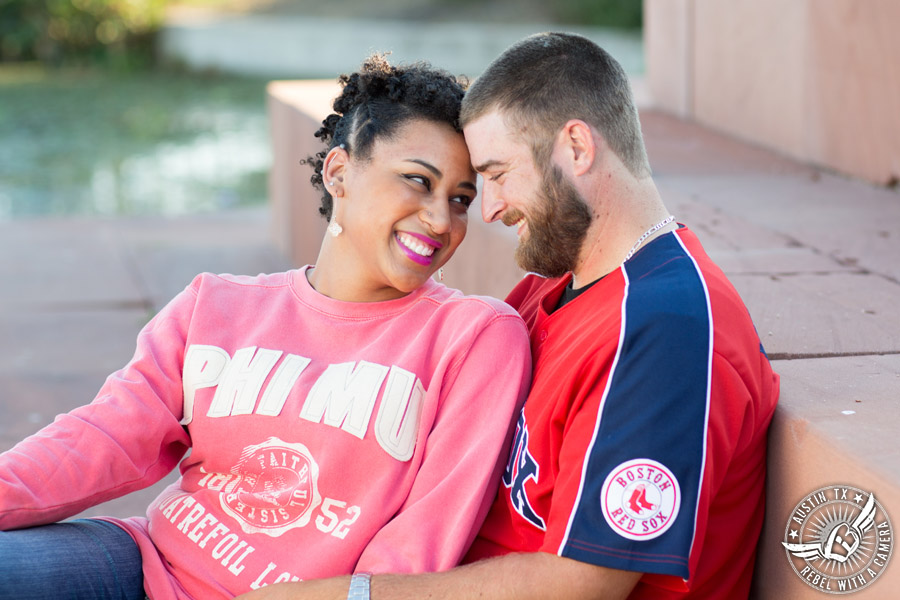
836	423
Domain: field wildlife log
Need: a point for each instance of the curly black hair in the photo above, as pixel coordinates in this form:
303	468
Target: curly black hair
376	101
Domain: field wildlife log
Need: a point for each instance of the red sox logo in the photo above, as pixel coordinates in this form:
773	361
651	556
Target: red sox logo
277	489
640	499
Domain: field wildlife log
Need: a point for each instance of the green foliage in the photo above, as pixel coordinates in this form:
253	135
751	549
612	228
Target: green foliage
622	14
114	32
97	141
617	14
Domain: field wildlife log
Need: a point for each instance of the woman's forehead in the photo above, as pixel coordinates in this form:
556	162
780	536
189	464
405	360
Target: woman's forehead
421	140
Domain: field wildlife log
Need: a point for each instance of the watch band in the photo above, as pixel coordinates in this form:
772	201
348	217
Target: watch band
359	586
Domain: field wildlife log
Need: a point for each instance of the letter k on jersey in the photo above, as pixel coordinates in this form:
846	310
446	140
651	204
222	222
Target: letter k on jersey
520	468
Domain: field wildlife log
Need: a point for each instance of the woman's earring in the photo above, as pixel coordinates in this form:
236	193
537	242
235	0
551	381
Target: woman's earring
441	274
334	229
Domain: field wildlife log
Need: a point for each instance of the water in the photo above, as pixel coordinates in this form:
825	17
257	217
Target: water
87	143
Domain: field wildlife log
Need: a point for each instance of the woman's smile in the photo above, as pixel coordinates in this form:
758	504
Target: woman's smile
418	248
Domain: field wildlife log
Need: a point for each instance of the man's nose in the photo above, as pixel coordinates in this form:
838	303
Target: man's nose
492	204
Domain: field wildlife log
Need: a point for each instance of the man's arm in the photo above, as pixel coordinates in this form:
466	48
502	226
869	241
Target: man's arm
536	575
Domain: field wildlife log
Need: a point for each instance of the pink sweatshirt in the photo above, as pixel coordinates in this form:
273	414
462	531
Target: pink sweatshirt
325	436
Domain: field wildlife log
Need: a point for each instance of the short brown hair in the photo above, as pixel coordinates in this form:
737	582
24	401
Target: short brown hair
546	79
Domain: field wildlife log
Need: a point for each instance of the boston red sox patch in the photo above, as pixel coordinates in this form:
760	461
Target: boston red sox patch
640	499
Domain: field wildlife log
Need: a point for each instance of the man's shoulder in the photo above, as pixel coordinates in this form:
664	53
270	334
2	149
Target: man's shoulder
530	289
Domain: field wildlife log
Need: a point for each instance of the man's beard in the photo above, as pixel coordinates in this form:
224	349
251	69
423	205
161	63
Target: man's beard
557	227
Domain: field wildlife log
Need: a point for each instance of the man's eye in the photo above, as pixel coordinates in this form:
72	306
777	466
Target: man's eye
496	177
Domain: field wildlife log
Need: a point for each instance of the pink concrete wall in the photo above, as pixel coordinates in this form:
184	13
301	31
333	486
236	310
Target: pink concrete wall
668	52
854	87
818	80
295	113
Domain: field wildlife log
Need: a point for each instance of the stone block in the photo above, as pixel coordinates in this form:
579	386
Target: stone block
668	51
852	85
829	429
748	57
296	110
821	315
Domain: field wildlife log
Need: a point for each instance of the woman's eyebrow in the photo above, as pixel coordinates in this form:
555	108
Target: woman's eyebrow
437	173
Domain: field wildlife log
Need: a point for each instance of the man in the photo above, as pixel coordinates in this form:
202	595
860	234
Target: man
638	466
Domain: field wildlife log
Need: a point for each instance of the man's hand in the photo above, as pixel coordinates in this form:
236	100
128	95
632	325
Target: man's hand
537	576
335	588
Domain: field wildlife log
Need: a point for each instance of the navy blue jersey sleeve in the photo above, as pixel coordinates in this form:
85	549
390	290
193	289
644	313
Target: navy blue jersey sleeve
637	504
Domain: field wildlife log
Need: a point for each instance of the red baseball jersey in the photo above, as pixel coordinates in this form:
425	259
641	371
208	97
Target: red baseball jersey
642	445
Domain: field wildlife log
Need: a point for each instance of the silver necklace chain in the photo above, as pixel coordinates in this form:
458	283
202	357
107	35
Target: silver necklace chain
647	234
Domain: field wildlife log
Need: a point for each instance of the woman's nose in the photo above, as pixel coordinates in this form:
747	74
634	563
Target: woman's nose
437	216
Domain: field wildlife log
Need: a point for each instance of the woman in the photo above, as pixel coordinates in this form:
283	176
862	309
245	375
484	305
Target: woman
343	416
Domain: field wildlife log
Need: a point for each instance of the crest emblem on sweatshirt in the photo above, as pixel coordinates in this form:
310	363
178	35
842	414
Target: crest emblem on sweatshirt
276	489
640	499
838	539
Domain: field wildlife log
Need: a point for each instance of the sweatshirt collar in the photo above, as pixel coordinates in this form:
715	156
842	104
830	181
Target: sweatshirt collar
360	310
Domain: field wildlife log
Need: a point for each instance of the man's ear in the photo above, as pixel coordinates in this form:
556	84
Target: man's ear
334	170
578	146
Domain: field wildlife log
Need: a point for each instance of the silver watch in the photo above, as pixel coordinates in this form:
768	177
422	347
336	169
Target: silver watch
359	586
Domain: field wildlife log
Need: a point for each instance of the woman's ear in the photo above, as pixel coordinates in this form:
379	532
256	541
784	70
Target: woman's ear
576	146
334	170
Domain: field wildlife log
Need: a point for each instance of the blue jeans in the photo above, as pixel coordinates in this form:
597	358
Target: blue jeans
77	560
